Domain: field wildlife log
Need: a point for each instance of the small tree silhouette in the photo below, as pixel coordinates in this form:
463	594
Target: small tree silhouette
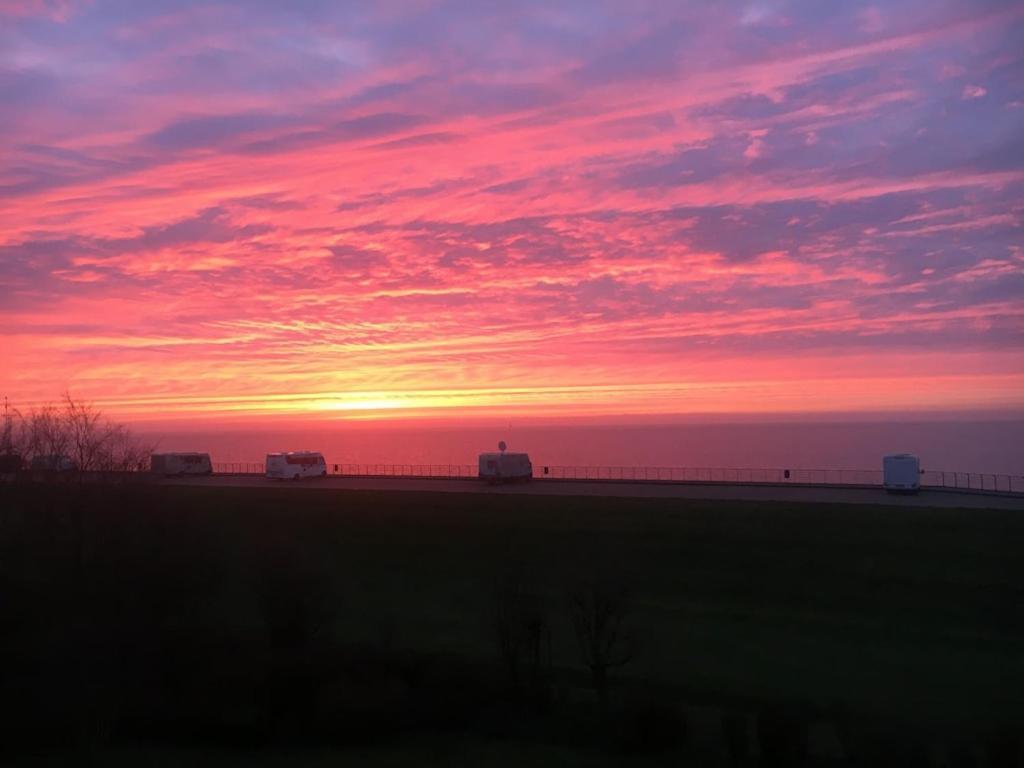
598	611
296	600
522	632
295	603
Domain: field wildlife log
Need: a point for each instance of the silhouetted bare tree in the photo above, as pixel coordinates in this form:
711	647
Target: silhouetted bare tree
73	430
598	611
122	451
522	631
85	433
46	433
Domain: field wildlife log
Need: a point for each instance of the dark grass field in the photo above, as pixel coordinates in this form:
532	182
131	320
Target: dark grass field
141	624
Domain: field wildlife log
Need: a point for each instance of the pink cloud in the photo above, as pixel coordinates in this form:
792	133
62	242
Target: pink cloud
58	10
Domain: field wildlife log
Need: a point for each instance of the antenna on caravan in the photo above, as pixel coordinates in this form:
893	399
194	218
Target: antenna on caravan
502	446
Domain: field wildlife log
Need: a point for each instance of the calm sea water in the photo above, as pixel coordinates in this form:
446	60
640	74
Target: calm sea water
969	446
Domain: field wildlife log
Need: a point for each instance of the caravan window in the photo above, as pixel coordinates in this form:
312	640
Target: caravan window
305	461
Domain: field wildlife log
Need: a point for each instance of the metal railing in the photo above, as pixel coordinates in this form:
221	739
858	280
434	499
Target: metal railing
717	475
453	471
973	481
239	467
976	481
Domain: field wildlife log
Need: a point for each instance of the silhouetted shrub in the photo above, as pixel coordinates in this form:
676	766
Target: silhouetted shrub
737	742
522	633
782	738
598	611
868	742
649	726
296	602
1006	748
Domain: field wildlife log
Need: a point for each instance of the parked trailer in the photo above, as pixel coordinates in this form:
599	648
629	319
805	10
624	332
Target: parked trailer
184	463
296	464
505	467
901	473
54	463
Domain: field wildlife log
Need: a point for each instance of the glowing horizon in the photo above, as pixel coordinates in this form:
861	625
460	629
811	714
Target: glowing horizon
440	209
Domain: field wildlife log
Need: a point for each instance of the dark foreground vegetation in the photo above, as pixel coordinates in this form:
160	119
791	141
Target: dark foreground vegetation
160	625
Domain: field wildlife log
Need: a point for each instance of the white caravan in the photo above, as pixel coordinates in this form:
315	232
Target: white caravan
180	464
296	464
54	463
901	473
505	467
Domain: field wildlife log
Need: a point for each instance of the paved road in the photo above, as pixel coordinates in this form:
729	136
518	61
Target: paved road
741	492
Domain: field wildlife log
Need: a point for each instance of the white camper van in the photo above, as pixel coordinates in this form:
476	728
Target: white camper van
296	464
505	467
901	473
181	464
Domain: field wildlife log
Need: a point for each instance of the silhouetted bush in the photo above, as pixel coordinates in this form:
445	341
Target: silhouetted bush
296	601
598	611
522	633
737	742
1006	747
648	726
870	742
782	737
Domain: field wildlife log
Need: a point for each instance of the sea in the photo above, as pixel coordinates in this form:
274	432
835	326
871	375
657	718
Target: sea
990	445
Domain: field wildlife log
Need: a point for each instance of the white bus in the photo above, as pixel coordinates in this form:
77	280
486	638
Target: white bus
295	464
187	463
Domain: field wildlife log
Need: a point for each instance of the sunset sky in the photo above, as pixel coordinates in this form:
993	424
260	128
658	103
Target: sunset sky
552	208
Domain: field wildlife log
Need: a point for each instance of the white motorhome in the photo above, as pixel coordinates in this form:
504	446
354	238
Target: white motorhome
185	463
503	467
901	473
295	464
